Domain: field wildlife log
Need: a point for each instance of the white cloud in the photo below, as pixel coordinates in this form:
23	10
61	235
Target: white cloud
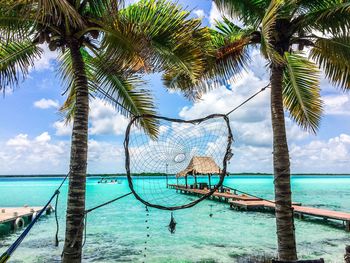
332	155
214	14
200	13
104	119
46	60
63	128
20	141
43	138
337	104
46	104
23	154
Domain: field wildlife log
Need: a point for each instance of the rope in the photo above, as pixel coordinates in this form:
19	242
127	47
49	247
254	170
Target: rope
107	203
57	224
132	114
84	219
7	254
250	98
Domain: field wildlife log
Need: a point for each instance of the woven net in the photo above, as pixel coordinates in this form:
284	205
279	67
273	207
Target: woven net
193	153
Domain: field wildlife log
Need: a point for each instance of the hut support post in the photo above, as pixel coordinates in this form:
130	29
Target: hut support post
186	180
195	180
209	177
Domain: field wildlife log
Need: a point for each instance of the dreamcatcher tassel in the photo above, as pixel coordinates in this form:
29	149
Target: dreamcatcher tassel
172	224
211	211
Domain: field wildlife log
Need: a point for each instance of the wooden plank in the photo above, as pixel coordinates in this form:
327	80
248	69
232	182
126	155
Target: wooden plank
303	210
8	214
322	213
250	202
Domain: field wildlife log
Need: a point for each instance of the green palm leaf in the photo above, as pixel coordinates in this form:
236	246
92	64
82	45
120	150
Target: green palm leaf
171	39
267	30
125	93
15	60
333	56
250	12
301	92
325	16
118	88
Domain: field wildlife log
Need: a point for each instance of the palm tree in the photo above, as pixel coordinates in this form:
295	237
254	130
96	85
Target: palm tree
104	48
284	30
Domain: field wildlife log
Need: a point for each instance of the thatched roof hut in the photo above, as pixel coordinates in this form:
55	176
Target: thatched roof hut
200	165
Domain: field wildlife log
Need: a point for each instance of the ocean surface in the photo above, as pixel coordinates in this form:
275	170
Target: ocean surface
118	232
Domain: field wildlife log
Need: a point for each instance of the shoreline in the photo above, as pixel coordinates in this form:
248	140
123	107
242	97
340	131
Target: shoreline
161	175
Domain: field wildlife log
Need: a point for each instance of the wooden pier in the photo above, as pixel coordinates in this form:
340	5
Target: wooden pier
12	218
247	202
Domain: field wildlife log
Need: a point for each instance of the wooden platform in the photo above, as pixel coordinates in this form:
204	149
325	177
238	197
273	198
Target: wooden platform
16	217
248	202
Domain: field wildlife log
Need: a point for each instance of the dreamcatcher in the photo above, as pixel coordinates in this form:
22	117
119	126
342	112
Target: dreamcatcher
184	153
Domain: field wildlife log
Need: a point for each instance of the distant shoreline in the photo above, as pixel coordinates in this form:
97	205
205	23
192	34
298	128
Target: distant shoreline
159	174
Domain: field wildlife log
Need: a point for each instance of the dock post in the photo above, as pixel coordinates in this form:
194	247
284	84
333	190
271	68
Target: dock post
347	226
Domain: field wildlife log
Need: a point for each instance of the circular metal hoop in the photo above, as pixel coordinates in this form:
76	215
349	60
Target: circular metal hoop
222	174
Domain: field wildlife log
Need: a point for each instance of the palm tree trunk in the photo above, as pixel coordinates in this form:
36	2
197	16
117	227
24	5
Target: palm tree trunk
72	251
283	194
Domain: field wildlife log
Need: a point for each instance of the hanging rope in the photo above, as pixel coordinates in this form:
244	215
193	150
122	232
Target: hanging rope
84	219
234	109
247	100
57	224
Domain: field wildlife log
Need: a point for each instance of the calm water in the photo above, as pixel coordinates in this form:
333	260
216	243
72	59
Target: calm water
117	233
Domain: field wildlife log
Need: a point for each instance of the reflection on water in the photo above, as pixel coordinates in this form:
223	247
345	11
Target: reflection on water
118	232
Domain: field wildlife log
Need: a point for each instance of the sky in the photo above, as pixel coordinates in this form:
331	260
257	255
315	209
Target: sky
35	140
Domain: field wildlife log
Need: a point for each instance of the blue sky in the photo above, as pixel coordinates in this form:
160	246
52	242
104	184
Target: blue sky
34	140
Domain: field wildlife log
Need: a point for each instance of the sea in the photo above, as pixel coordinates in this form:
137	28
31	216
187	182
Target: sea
127	231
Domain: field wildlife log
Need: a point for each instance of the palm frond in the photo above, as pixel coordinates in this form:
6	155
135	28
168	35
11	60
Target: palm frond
267	30
65	72
250	12
125	93
15	60
60	10
163	38
326	16
14	26
116	87
229	57
301	92
175	40
333	56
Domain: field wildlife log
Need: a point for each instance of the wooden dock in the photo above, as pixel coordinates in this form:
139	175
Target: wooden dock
247	202
12	218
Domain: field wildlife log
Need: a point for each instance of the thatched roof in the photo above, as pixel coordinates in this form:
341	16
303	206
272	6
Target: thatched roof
200	165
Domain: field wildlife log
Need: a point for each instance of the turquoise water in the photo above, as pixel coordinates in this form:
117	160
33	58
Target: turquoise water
118	232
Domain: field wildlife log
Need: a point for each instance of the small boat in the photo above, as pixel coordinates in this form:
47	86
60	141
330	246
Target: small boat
104	180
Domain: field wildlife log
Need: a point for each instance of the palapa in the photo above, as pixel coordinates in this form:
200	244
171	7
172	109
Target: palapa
200	165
